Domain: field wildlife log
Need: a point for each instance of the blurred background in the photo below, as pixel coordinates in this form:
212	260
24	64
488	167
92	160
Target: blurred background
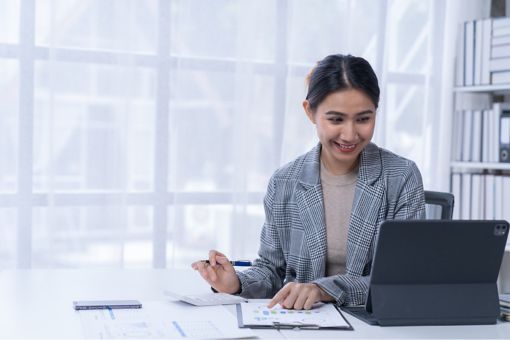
143	133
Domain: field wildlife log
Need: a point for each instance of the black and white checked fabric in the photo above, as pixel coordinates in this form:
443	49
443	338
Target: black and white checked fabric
293	239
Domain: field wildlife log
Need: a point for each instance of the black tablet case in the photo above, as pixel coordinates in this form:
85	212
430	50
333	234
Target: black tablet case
437	272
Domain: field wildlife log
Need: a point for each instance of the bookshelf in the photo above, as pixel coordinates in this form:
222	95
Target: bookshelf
479	179
479	166
496	89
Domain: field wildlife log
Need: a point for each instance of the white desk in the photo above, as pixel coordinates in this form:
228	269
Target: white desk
38	304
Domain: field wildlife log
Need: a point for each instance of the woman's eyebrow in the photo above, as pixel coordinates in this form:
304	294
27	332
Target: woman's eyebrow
338	113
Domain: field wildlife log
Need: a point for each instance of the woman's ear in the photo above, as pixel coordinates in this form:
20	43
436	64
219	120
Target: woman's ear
308	110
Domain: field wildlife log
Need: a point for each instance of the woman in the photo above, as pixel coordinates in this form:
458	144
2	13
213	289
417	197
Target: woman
323	209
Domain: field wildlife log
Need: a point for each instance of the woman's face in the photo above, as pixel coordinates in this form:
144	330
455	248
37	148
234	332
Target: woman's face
345	122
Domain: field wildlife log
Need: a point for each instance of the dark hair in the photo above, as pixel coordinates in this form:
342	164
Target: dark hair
341	72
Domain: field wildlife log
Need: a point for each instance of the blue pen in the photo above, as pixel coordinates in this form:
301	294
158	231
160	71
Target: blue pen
239	263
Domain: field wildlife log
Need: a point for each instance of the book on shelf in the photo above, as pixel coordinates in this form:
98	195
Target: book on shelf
503	40
465	201
502	77
481	196
456	191
489	197
482	135
469	53
467	135
486	52
500	64
476	200
483	52
476	143
502	110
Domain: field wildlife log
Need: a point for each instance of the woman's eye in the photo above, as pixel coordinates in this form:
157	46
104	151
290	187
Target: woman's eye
336	120
363	120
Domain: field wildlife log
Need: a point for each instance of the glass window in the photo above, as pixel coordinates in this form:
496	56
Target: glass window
117	25
94	127
9	85
331	27
317	24
96	236
8	237
408	35
230	22
221	125
299	133
405	132
196	229
9	17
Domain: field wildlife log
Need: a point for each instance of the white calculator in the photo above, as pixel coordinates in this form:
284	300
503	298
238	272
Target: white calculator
208	299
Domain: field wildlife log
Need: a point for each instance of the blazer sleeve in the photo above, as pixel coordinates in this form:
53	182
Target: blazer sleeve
266	276
410	204
411	199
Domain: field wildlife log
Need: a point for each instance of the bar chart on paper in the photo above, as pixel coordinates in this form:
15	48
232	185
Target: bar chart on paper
157	319
324	315
195	329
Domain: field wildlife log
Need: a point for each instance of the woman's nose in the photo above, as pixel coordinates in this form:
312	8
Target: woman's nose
348	133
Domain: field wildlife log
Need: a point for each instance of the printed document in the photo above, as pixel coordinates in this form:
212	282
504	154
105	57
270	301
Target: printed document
322	315
163	319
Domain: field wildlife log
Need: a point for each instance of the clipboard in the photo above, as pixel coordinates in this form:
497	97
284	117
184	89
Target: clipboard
322	316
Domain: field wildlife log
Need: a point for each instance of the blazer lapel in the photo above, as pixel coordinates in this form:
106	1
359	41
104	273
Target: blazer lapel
368	199
310	203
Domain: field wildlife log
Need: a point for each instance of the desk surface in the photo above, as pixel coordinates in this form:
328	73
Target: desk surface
38	304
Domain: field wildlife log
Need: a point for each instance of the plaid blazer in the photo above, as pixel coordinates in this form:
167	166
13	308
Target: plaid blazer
293	238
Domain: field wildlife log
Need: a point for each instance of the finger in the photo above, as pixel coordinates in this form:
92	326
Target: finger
212	256
212	273
201	267
225	263
290	299
309	303
282	293
300	300
194	265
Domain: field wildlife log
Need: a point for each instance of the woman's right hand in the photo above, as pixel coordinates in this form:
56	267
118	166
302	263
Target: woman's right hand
219	273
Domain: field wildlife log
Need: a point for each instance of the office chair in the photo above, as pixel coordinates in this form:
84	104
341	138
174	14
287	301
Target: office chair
439	205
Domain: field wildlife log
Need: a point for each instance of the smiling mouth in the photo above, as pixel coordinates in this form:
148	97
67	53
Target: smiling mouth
345	147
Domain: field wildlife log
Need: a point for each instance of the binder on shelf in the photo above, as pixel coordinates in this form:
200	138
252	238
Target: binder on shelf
486	51
461	57
469	52
495	136
467	135
501	51
465	193
506	197
503	40
498	197
476	148
489	197
501	22
485	135
502	110
458	135
456	191
499	30
477	60
476	199
502	77
501	64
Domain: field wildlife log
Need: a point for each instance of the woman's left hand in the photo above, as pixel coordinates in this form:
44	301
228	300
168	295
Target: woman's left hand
299	296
